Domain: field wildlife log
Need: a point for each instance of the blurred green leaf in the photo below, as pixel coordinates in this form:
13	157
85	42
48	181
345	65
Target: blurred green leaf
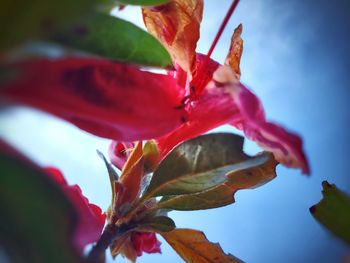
143	2
197	165
260	170
37	221
194	247
333	211
114	38
157	224
24	20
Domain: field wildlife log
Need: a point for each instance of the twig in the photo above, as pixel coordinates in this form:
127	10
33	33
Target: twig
110	234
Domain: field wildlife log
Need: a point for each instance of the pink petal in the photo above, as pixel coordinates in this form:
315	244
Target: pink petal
91	220
230	102
286	146
110	100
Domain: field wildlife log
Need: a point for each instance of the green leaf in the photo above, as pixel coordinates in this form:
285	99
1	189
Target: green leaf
197	165
114	38
261	169
194	247
24	20
143	2
333	211
157	224
37	221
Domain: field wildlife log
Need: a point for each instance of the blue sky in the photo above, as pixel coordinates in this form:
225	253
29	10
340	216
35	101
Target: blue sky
296	59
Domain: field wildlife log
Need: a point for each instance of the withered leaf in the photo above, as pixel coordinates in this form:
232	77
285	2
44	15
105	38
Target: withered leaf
234	55
176	25
194	247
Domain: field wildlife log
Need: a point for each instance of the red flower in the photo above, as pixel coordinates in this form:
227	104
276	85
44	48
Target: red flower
145	242
225	100
215	95
91	220
124	103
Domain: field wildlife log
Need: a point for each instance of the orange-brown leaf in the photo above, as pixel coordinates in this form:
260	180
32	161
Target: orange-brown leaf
134	157
117	245
176	26
132	182
194	247
234	55
128	250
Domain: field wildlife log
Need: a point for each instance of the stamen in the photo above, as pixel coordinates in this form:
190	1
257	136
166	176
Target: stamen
200	86
222	27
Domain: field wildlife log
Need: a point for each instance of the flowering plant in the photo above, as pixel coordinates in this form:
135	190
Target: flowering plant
160	158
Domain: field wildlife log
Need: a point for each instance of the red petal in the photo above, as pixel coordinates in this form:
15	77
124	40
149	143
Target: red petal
91	219
231	102
287	147
212	109
56	175
110	100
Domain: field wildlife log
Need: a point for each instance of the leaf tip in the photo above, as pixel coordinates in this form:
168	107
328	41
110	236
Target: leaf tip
312	209
326	185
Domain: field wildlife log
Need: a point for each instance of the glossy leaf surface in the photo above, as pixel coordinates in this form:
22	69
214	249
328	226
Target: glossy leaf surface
197	165
114	38
37	221
194	247
259	170
157	224
333	211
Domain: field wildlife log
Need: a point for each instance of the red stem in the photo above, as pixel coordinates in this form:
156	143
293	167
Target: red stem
199	86
222	27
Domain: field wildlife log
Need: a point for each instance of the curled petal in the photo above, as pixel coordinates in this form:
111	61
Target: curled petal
145	242
91	219
226	100
286	146
176	25
107	99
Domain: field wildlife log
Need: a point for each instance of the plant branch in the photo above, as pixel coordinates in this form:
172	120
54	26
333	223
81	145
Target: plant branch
110	233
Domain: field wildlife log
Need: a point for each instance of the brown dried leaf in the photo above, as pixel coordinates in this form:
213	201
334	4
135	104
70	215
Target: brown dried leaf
128	250
117	245
176	26
132	160
194	247
132	182
234	55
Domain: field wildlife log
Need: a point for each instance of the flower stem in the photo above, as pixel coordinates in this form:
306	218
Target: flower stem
222	27
200	86
110	234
